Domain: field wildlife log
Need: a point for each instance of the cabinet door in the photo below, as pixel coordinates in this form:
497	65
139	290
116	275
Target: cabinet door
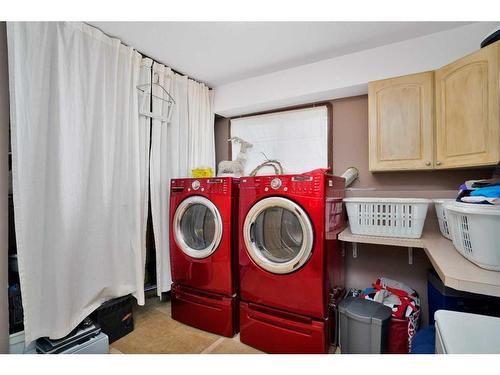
467	122
401	123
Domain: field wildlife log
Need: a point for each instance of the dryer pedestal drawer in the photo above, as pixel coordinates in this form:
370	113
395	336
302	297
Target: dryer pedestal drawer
207	311
276	331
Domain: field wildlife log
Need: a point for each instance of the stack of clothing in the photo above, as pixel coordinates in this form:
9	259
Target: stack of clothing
481	191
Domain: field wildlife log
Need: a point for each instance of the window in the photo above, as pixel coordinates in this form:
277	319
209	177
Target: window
297	138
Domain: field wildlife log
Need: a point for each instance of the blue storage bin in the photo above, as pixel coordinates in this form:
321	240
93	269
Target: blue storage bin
424	341
441	297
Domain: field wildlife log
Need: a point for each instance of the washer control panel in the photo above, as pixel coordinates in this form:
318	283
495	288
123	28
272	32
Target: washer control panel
213	185
276	183
292	184
195	185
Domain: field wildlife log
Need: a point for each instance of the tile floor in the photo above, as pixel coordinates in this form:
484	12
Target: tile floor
156	332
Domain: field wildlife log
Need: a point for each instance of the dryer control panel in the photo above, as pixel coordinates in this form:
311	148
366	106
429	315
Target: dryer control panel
210	185
311	185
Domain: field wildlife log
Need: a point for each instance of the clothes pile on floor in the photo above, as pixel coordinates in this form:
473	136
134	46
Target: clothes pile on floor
405	305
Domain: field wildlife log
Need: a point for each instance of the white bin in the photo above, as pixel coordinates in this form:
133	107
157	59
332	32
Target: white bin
475	230
387	217
444	226
17	344
464	333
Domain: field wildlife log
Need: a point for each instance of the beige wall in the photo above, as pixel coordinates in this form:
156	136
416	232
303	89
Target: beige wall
350	148
4	149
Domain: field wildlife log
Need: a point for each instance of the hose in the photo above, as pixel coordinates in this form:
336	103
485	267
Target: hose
278	168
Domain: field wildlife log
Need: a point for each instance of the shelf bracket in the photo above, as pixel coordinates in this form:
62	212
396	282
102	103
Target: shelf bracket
410	255
354	249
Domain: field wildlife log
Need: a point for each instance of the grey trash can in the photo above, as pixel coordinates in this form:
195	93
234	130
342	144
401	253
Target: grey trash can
363	326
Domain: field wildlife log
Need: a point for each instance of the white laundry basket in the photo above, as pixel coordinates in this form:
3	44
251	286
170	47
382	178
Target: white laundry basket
444	226
388	217
475	230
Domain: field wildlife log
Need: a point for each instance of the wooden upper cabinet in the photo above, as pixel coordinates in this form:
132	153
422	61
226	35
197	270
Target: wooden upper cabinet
467	111
401	123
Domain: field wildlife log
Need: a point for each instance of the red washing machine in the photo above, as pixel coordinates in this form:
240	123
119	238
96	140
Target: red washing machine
291	263
203	253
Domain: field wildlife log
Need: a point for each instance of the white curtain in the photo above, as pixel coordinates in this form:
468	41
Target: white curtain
80	157
186	142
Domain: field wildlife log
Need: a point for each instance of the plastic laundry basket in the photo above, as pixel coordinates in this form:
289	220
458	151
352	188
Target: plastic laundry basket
475	230
444	226
388	217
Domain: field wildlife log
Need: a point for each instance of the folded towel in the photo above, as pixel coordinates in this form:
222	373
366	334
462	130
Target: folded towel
484	183
480	199
490	191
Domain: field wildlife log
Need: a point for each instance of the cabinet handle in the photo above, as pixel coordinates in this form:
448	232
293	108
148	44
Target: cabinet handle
438	163
428	163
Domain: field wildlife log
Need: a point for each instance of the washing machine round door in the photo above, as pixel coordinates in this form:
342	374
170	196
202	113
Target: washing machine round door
278	235
197	227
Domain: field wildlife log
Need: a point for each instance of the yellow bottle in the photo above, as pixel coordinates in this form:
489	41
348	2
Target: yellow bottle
201	172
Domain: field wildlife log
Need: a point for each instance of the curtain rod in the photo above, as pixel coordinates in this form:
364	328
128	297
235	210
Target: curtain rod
149	57
173	70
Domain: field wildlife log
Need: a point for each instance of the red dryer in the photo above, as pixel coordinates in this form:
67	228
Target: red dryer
203	253
290	262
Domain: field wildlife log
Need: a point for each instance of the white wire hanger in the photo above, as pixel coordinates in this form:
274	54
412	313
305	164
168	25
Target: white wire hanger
146	89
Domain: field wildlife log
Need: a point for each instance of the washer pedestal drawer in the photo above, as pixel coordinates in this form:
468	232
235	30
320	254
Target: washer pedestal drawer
205	310
277	331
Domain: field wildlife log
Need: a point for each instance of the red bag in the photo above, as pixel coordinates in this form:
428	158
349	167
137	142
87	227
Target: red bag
398	338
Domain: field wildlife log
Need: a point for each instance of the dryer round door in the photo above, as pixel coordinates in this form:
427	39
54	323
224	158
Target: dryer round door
278	235
197	227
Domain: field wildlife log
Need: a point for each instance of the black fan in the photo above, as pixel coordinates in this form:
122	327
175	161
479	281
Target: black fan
491	39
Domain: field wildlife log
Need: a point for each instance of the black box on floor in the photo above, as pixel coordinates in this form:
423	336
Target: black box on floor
15	309
115	317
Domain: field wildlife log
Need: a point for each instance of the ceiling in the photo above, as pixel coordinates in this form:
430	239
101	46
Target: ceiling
221	52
